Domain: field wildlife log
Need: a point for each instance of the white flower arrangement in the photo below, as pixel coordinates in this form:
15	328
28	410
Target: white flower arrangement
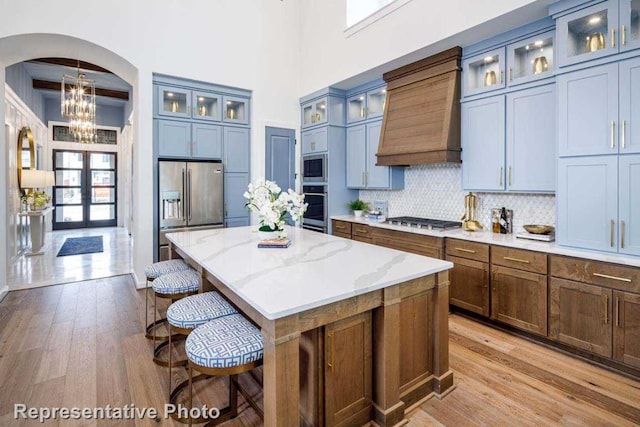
272	204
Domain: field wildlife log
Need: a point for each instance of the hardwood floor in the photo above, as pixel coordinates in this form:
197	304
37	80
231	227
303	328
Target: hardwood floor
81	345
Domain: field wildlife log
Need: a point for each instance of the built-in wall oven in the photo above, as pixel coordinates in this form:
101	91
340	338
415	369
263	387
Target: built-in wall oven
314	168
315	218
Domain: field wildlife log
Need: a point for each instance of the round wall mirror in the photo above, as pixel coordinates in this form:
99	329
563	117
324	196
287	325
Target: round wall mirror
26	153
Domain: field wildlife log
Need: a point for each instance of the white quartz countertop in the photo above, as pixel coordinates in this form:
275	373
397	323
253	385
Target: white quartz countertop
317	269
509	240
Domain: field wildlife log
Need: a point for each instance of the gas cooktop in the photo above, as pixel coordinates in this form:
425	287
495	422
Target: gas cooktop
430	224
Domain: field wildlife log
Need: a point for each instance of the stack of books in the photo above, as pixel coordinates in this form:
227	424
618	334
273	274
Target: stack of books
276	243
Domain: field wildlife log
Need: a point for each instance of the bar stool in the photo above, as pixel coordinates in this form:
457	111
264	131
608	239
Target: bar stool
172	286
152	272
229	345
187	314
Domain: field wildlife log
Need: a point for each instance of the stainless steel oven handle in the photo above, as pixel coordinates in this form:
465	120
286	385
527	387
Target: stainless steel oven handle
313	227
316	194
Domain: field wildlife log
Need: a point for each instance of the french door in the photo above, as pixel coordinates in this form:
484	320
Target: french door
86	192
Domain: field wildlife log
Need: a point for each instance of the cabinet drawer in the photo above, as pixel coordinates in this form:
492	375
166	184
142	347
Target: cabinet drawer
470	250
520	259
342	227
314	141
596	272
361	231
409	242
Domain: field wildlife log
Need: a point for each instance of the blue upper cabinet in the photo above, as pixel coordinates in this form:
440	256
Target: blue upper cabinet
206	141
315	141
235	110
531	140
629	106
530	59
587	198
629	24
483	144
173	102
588	111
323	108
629	212
207	106
174	138
366	105
586	33
356	156
484	72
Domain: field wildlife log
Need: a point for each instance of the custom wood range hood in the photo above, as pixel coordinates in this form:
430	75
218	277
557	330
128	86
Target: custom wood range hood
421	121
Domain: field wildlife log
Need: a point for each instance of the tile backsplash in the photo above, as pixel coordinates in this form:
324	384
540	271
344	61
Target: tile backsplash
434	191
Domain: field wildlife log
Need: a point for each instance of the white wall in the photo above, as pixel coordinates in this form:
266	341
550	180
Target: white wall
416	29
251	44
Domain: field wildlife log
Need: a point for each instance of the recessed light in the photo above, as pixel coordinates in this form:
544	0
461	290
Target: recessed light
539	43
361	98
170	94
201	99
384	91
488	59
526	47
595	20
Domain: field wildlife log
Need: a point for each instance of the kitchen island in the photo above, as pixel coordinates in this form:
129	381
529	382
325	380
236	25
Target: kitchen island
352	331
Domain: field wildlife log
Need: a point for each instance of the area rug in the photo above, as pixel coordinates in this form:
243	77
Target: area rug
81	245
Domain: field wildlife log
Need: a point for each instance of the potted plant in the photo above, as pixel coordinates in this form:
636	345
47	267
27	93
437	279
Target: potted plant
358	206
272	206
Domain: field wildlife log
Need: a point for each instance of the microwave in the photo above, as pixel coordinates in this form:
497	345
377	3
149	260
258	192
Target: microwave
314	168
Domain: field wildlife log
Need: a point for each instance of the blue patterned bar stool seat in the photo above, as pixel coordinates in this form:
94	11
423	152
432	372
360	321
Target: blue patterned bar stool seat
173	286
187	314
229	345
152	272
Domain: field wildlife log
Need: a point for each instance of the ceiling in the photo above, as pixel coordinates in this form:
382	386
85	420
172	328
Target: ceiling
53	73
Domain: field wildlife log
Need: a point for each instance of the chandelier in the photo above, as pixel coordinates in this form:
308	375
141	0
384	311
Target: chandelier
78	104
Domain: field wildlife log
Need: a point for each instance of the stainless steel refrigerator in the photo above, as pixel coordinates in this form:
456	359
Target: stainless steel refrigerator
190	196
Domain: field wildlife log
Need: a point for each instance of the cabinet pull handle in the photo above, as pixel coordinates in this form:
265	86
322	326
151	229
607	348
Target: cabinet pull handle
510	74
613	226
500	184
617	311
613	37
313	145
613	134
362	179
469	251
623	36
509	178
606	276
501	76
606	309
330	362
623	139
622	234
524	261
366	179
362	231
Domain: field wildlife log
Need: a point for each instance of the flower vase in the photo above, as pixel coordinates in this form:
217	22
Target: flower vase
268	235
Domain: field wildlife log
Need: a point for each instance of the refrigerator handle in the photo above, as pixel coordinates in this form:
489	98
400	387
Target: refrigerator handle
184	195
189	190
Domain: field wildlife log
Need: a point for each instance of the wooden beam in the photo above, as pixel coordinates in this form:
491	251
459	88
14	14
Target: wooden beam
109	93
73	63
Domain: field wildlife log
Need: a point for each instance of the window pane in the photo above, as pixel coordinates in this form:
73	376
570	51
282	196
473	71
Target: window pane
68	196
103	195
68	213
101	212
26	159
68	178
66	159
99	178
103	161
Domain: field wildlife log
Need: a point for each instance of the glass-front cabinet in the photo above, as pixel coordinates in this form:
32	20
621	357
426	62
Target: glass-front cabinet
357	108
314	112
174	102
531	59
629	24
206	106
484	72
376	101
236	110
366	105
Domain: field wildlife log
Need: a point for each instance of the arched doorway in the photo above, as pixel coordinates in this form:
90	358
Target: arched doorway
19	48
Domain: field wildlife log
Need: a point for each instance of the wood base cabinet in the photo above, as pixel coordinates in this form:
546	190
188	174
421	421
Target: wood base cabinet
519	298
626	331
469	288
348	371
580	315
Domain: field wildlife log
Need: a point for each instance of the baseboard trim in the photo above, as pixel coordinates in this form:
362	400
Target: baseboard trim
139	284
3	292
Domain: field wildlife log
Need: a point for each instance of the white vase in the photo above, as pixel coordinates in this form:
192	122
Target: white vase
358	214
268	235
